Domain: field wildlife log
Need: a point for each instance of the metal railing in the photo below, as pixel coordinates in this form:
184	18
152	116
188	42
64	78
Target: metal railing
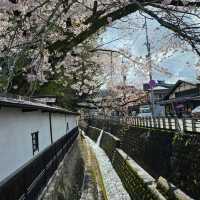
27	182
168	123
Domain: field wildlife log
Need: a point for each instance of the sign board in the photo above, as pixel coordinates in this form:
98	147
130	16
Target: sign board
152	84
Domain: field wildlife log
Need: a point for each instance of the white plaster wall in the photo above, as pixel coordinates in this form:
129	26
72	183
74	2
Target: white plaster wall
15	135
58	125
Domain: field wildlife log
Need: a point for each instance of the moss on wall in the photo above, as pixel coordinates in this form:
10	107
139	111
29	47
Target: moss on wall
150	148
109	143
186	163
138	184
93	133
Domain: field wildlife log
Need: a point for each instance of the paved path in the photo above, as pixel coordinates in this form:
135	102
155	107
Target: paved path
112	182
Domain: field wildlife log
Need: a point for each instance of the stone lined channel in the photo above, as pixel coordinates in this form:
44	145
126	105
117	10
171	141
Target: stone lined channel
112	182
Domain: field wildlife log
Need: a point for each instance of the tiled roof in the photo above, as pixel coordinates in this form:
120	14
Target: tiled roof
28	103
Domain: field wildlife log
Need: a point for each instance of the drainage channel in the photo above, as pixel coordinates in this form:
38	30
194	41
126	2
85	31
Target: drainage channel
112	182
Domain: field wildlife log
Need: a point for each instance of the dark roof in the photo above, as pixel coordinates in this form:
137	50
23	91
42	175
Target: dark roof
28	103
177	84
179	100
159	83
163	84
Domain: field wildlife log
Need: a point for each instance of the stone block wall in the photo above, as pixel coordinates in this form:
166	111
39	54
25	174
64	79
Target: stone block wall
164	153
93	133
109	143
150	148
170	191
139	184
115	128
186	163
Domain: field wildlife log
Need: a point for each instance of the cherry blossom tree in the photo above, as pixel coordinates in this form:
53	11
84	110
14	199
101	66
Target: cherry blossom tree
37	37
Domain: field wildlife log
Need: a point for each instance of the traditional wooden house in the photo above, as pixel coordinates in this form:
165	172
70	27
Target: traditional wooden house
27	128
182	98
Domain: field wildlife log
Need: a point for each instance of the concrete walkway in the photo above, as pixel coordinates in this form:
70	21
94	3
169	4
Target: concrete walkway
112	182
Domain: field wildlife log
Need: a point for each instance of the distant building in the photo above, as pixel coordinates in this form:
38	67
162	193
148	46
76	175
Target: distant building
146	86
182	98
28	127
160	90
157	93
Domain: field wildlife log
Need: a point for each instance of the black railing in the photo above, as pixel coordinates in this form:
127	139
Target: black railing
27	182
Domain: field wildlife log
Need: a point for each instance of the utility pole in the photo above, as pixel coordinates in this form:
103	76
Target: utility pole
148	57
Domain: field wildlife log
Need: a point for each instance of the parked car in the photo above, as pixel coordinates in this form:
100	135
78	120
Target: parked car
145	111
196	112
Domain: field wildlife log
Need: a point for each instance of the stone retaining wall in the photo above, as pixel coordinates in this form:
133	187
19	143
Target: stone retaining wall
109	143
162	152
93	133
139	184
150	148
158	152
171	191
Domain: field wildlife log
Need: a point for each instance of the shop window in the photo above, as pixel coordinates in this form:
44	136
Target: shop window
35	142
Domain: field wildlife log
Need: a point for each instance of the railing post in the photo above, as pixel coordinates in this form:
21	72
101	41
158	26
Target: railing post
176	124
146	122
184	125
159	122
154	122
170	123
150	121
163	121
193	125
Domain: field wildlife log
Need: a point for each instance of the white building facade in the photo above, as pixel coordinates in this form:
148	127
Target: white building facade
21	122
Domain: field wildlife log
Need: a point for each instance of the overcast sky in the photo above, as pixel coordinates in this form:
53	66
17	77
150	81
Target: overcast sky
181	64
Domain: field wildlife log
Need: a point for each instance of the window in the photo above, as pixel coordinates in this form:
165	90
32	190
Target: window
67	127
35	141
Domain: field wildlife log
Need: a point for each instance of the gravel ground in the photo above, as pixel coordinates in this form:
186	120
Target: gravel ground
112	182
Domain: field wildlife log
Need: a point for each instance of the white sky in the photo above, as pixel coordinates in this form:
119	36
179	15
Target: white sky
181	64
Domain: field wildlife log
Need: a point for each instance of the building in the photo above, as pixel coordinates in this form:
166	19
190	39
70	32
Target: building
28	127
183	97
160	90
156	94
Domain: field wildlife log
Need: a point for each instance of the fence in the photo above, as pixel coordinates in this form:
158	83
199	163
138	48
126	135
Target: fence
28	181
176	124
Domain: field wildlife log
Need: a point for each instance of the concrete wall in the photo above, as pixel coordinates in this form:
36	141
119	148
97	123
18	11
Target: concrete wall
109	143
15	135
161	152
138	183
153	149
93	133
